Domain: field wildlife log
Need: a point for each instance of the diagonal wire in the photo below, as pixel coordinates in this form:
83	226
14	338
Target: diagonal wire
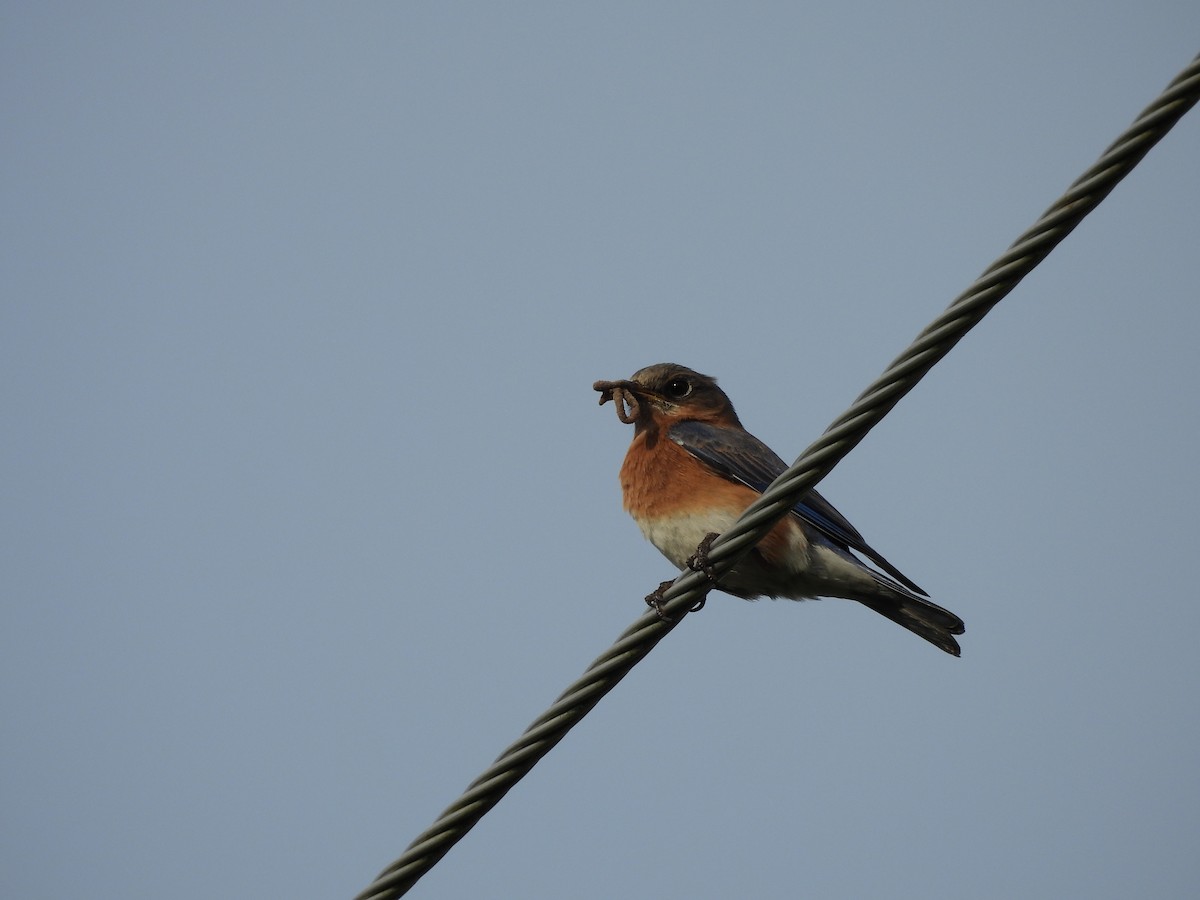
930	346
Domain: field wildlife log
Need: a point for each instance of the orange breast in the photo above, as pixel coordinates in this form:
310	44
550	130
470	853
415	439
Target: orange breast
661	481
659	478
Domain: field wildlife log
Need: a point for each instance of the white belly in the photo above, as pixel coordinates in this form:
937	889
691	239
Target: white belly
677	537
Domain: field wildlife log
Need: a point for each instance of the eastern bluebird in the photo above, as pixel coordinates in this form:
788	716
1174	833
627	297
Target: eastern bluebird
692	469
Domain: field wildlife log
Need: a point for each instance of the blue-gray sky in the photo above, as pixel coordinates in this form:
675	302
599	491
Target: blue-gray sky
309	509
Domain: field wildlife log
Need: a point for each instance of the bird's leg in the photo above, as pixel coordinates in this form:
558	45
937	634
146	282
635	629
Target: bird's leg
698	562
655	600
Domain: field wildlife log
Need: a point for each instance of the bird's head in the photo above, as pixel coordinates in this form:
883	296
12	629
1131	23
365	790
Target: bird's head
665	393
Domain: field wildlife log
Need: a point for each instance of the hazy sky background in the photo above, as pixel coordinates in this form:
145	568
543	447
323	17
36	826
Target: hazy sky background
308	508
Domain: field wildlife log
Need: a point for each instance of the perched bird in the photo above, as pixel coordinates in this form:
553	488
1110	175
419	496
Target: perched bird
692	469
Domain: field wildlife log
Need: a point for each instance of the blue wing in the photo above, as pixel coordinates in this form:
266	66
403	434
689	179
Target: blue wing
740	456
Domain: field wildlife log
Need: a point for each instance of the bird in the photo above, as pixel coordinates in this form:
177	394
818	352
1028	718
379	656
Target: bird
692	469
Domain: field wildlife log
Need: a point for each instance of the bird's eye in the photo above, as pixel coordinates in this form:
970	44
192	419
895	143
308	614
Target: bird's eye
679	387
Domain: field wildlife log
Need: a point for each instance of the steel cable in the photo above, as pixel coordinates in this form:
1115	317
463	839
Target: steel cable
930	346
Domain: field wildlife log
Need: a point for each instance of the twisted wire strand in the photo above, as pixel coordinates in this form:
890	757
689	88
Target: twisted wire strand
930	346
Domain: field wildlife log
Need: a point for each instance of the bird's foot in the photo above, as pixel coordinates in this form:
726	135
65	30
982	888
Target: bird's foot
655	601
698	562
